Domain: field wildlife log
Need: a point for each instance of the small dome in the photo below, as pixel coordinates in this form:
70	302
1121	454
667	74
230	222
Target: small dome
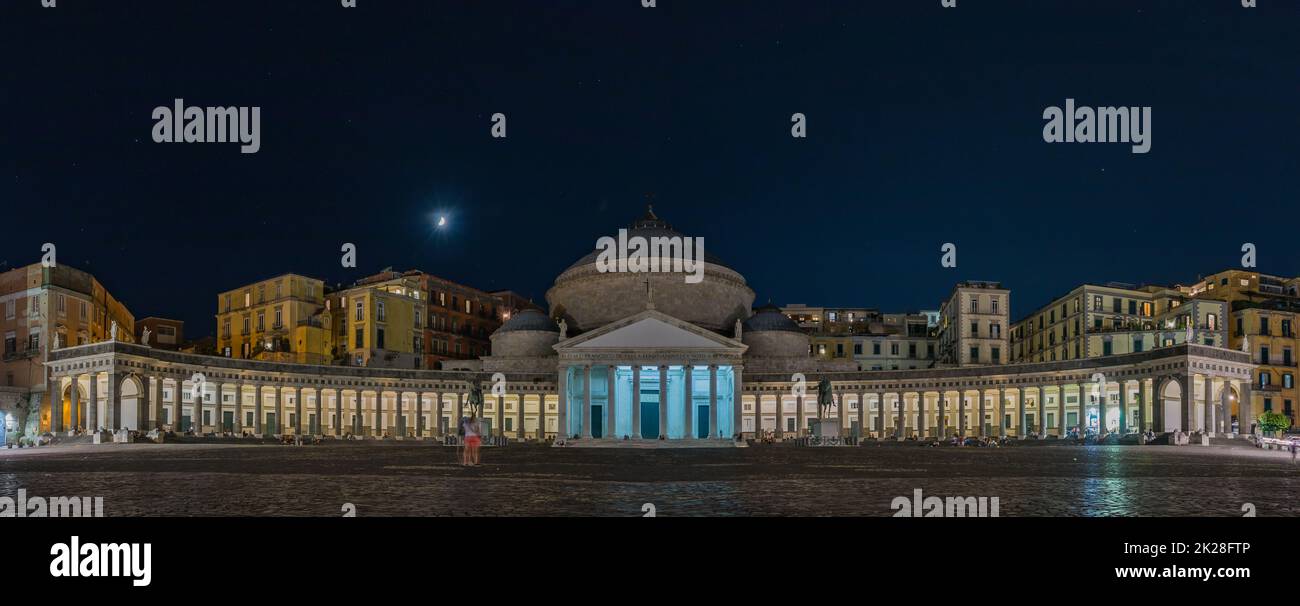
770	317
529	319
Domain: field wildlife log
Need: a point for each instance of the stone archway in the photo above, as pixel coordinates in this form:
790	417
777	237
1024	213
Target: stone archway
132	390
1228	401
1168	405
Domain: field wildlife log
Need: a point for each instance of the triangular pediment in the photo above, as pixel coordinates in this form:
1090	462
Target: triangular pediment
650	329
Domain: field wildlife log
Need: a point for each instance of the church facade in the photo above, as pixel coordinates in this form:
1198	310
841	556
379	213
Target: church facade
629	355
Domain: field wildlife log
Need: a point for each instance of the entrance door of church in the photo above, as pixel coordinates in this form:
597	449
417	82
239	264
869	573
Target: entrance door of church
597	421
702	422
650	420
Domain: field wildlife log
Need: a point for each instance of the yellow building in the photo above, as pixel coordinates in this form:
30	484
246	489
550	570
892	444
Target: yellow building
44	308
281	319
1264	312
382	321
1110	319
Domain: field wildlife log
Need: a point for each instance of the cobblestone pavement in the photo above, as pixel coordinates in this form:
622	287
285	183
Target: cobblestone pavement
414	479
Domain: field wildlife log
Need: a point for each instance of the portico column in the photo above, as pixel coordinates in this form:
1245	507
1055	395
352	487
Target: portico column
541	416
736	409
1123	407
713	401
943	409
1021	430
92	405
500	414
901	421
636	401
688	393
563	427
54	388
611	403
663	401
586	401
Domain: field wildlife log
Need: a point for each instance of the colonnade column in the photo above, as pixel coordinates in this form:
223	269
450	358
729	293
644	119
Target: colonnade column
54	389
663	401
779	432
319	429
92	405
356	416
114	402
541	416
1042	411
798	415
900	423
1002	412
688	393
979	421
1245	410
1189	402
1123	407
297	411
1207	406
74	402
437	415
258	409
862	414
220	416
1141	402
1021	429
519	416
961	414
1060	410
563	428
943	408
239	408
920	415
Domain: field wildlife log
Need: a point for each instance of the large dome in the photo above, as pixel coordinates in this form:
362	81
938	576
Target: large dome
588	298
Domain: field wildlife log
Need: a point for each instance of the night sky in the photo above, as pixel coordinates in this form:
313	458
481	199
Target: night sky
924	127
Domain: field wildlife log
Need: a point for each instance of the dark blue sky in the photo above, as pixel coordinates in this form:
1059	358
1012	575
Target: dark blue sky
924	127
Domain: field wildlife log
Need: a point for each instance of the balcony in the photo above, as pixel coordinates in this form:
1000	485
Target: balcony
22	354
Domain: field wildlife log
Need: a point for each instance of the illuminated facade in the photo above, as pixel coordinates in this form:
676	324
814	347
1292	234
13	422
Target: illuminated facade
44	308
634	356
1110	319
